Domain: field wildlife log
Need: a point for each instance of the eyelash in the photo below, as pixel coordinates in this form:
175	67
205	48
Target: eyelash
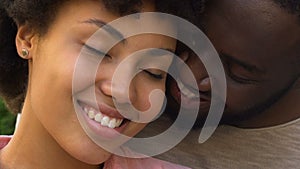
240	79
156	76
98	52
236	78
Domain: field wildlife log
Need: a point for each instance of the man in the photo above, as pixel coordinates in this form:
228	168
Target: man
258	42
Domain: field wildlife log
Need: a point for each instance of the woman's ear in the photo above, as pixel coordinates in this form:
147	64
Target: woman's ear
25	41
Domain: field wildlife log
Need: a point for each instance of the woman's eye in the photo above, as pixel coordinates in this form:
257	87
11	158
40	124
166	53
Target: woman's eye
96	51
154	75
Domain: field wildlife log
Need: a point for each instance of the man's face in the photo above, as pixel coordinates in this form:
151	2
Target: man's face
258	43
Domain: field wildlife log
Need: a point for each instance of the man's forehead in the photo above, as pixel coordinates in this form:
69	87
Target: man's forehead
263	21
263	11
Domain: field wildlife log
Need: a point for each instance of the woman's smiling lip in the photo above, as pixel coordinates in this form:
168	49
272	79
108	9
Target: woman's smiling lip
104	129
188	103
104	109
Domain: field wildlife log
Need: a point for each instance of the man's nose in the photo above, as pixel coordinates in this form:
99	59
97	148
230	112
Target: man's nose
199	72
204	85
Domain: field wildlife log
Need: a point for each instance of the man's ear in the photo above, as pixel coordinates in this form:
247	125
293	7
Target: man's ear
26	41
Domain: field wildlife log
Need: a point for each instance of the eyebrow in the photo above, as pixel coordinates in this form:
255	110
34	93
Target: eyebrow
249	67
161	52
101	24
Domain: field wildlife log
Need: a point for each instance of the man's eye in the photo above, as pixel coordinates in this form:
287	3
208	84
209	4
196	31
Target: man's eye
240	79
237	72
154	75
97	52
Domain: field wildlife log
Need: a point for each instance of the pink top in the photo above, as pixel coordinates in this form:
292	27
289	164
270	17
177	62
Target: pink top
117	162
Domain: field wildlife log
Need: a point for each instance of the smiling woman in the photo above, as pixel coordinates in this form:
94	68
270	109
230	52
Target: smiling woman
50	37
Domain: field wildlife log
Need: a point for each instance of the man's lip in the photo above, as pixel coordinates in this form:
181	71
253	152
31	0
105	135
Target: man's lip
189	103
104	109
204	98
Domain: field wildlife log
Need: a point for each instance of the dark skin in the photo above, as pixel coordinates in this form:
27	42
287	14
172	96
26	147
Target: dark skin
259	45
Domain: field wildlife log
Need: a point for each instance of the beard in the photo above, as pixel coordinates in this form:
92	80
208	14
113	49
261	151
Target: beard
257	109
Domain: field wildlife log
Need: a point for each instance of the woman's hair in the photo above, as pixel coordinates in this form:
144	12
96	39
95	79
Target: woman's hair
186	9
13	76
37	14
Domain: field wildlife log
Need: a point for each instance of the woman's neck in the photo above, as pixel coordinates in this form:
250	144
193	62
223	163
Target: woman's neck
33	147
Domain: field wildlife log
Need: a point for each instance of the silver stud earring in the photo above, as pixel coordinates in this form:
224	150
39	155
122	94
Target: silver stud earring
25	52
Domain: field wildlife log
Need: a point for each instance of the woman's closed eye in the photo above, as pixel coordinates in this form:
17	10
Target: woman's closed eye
96	51
154	74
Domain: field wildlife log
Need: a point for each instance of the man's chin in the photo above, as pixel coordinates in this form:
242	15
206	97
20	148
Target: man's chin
174	107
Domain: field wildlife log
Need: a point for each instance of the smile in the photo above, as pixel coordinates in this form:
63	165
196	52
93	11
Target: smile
187	92
100	118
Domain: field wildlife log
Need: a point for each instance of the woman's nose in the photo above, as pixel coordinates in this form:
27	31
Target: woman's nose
119	92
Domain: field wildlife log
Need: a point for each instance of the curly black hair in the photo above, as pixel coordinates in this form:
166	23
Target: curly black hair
292	6
186	9
13	70
38	14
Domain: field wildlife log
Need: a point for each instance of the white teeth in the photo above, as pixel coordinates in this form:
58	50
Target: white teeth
112	123
185	91
91	114
105	121
98	117
102	119
119	121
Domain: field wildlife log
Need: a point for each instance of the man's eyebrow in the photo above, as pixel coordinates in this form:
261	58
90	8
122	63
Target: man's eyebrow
250	67
101	24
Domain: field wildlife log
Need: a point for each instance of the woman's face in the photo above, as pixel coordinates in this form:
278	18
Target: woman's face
53	62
